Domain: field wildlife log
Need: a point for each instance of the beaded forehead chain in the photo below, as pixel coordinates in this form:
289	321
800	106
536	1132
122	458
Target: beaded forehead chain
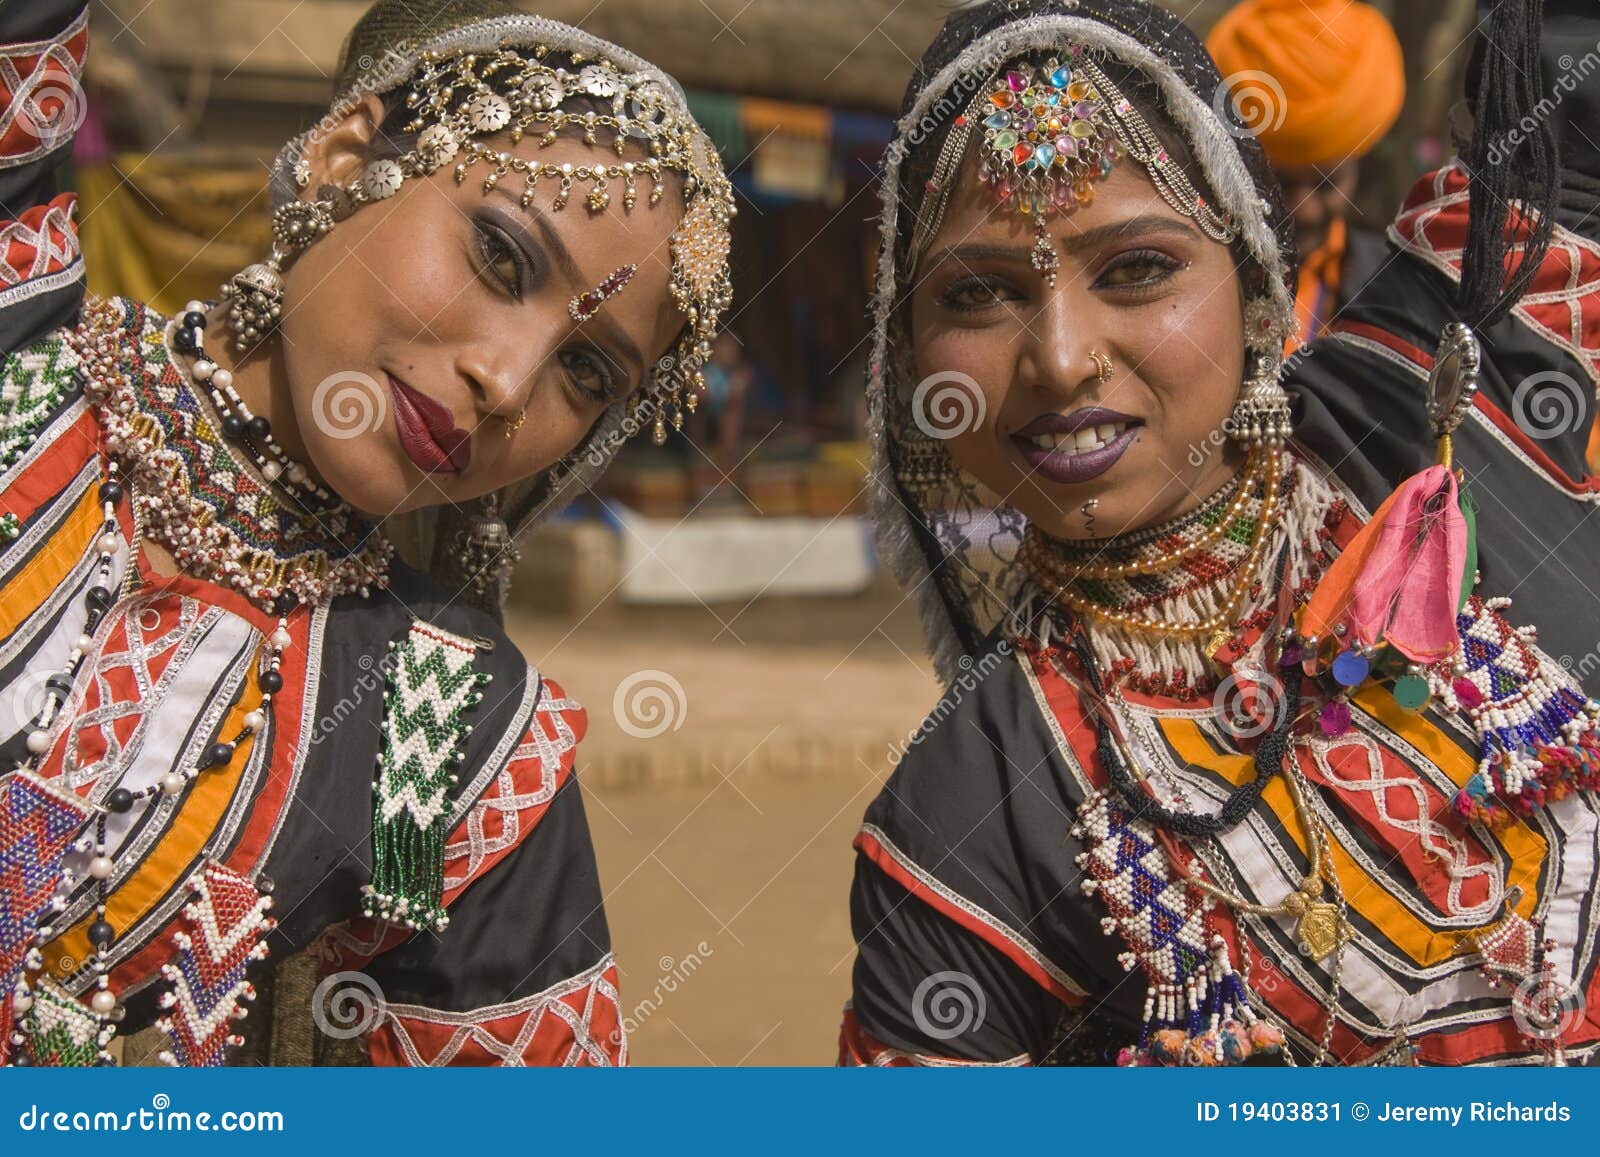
461	99
1049	132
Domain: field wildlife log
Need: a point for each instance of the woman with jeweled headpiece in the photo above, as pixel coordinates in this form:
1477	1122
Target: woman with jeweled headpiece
238	726
1247	755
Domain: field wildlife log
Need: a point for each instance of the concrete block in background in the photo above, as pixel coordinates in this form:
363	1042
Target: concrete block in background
567	568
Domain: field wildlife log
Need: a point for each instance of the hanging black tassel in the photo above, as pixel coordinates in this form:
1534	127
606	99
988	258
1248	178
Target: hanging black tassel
1505	82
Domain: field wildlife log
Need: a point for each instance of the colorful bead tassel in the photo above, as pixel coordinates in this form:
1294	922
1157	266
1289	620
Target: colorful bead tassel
226	920
61	1032
1536	729
1196	1009
38	823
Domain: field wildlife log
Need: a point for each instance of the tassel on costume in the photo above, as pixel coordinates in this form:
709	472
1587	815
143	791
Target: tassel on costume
433	683
1399	602
207	987
1196	1009
1399	582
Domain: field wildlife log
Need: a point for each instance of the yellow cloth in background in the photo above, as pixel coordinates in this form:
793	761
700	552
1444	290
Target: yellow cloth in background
1338	64
169	229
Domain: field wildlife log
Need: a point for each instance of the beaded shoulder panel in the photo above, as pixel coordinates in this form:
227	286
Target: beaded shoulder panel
34	381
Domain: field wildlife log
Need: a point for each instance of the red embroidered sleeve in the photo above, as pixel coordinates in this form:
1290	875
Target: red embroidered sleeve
577	1021
517	798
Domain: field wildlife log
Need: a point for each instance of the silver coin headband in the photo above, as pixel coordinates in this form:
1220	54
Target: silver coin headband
459	98
1049	133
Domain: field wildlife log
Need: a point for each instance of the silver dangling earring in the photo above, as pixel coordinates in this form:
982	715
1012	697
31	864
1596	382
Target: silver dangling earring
255	294
486	553
1261	417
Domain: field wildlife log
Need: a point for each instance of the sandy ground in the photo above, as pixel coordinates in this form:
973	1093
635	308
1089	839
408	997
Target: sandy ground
723	786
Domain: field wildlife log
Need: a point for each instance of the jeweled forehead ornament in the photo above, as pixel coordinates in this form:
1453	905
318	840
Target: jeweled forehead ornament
1045	143
460	100
585	305
1050	131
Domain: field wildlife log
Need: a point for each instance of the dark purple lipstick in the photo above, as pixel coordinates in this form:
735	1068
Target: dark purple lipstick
1069	454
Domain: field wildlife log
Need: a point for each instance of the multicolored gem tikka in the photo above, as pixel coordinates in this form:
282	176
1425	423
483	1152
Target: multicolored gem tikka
1046	141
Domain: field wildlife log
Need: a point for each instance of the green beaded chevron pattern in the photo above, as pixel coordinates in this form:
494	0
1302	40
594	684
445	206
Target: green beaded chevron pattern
433	682
33	381
61	1032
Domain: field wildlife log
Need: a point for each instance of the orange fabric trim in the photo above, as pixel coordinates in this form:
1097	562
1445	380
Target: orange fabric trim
176	852
54	468
45	571
1371	898
1317	284
1525	847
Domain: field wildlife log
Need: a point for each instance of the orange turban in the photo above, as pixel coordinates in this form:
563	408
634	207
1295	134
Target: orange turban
1334	77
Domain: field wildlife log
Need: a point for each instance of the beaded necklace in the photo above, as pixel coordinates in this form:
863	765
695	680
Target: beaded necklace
1217	544
221	519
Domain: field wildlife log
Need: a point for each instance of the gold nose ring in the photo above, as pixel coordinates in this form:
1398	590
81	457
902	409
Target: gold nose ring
1102	365
513	425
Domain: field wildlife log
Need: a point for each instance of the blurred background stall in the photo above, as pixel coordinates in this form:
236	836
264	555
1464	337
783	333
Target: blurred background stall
750	673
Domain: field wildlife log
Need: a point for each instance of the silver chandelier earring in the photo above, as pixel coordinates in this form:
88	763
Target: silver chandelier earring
1261	416
255	294
486	553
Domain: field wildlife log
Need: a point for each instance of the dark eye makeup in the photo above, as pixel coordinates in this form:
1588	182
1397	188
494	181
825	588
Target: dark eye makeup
500	258
1128	273
1138	269
506	257
591	373
976	292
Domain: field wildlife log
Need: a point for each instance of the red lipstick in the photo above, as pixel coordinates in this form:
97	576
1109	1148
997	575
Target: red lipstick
427	433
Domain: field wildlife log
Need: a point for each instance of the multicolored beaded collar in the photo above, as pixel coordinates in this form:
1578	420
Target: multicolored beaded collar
222	520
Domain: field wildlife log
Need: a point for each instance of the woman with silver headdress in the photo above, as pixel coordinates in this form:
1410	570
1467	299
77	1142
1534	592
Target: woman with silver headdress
1245	757
240	725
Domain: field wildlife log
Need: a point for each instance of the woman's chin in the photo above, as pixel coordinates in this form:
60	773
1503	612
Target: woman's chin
375	490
